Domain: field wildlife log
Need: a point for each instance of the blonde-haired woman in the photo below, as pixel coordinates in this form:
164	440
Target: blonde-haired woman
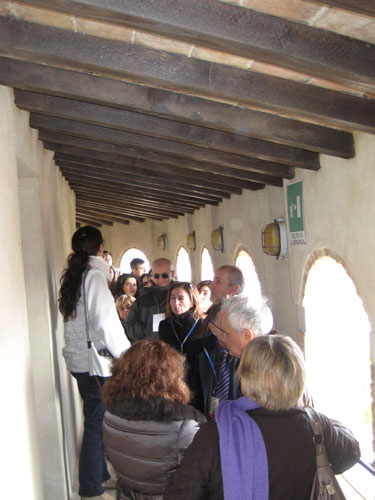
261	446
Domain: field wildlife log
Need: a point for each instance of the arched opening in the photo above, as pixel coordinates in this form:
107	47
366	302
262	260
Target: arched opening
128	256
207	269
338	349
183	267
252	283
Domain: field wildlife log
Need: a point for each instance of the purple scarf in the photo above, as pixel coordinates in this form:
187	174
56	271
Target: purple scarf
243	455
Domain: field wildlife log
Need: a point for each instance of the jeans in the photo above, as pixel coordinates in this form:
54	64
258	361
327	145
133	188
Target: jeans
92	466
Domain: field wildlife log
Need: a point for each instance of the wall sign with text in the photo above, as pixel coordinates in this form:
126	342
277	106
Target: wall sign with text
295	213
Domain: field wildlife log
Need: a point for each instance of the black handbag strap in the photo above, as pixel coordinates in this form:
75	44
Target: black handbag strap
327	476
318	440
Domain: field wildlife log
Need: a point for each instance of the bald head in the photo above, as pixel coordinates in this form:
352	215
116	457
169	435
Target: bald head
162	272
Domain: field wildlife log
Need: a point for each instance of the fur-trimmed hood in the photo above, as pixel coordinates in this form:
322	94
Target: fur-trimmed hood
156	409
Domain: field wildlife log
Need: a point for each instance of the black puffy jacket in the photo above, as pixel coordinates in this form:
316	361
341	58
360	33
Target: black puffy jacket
145	442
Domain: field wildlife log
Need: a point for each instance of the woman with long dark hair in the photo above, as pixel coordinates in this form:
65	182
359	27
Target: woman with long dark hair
86	304
127	284
148	424
183	316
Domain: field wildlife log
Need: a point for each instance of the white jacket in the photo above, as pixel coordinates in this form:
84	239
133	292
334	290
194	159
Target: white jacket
104	324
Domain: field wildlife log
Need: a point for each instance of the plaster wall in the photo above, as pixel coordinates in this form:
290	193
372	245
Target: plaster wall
339	210
36	223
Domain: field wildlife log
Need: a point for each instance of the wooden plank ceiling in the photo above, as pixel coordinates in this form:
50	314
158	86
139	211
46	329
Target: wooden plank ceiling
156	108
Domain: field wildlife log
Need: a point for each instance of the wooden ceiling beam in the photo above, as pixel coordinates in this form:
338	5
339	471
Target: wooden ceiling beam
91	201
48	45
150	170
128	208
90	188
189	109
115	215
87	222
127	201
158	128
62	143
101	216
244	32
72	173
119	211
151	174
90	196
97	220
156	184
307	159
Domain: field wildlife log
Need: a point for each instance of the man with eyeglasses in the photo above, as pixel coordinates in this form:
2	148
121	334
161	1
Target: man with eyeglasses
212	374
149	309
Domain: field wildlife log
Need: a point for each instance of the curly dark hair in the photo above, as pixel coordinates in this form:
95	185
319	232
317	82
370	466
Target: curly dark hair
85	242
148	369
192	292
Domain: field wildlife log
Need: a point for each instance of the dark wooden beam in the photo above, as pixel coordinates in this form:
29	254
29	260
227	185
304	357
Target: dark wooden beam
150	170
127	202
150	173
101	216
306	159
115	215
98	220
91	191
72	172
62	143
90	200
47	45
364	7
154	184
189	109
119	211
89	197
243	32
86	221
155	127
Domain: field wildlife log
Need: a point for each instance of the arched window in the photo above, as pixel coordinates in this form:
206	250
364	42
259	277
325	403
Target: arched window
252	283
338	349
207	269
128	256
183	267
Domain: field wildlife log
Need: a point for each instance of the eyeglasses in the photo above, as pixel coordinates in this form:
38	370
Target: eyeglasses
217	327
163	275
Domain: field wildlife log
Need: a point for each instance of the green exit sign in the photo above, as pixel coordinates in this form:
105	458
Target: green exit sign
295	213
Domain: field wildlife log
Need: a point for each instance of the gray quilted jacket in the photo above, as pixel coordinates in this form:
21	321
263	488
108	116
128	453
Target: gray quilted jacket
145	442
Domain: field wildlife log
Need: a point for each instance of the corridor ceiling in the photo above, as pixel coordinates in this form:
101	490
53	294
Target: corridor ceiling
155	108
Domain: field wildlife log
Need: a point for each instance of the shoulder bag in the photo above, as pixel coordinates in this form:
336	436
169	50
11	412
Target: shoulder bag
99	361
325	485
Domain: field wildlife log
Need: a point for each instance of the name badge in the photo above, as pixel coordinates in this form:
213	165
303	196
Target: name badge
156	318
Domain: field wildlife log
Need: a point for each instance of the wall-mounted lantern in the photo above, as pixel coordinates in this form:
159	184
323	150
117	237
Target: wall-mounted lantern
274	239
162	242
191	241
217	239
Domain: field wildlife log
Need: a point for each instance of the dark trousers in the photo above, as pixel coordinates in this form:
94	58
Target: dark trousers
92	466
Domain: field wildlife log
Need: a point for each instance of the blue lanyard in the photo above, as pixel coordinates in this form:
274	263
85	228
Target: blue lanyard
157	303
213	367
211	363
187	336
